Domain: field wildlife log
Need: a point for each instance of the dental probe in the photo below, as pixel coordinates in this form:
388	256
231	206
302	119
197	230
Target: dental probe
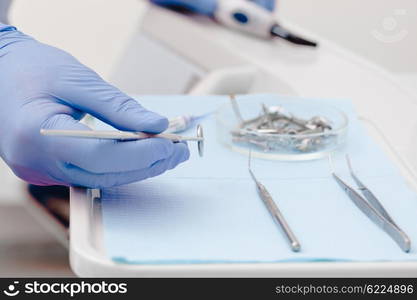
274	210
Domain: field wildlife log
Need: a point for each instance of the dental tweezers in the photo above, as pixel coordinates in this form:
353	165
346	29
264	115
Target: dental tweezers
274	211
372	207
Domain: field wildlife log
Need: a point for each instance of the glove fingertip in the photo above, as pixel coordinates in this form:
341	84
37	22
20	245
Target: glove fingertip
150	122
158	124
185	152
182	154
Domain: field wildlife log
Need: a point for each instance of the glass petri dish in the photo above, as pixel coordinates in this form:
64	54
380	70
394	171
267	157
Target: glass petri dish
283	146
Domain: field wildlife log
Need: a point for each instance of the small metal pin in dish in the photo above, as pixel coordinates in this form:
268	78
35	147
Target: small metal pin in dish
276	129
127	136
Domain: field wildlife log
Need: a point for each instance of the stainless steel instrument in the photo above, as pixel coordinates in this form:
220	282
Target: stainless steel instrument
372	207
274	211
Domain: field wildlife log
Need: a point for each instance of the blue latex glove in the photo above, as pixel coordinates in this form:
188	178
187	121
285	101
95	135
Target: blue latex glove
44	87
207	7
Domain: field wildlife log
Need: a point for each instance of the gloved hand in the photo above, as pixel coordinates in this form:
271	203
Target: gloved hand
44	87
207	7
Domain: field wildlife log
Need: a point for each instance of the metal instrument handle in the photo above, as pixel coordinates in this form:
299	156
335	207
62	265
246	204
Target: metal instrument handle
278	217
391	229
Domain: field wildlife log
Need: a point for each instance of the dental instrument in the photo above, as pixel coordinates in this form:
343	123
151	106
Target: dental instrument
274	211
248	17
276	128
236	110
183	123
372	207
126	135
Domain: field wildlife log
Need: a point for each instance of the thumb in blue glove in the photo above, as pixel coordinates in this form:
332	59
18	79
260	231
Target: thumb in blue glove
44	87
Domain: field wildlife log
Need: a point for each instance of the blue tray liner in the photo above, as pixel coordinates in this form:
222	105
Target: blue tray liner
207	210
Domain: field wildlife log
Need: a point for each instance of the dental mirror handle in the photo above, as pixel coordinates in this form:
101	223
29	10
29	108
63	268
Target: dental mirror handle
115	135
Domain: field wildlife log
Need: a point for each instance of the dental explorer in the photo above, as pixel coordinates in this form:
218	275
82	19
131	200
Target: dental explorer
274	210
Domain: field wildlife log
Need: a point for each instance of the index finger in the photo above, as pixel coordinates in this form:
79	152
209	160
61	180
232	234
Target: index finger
105	156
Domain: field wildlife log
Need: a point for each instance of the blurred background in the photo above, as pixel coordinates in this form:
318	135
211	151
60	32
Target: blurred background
98	32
